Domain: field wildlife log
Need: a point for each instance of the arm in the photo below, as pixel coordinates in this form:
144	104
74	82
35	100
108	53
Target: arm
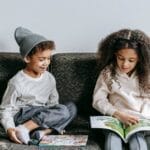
54	97
8	103
100	96
102	104
7	106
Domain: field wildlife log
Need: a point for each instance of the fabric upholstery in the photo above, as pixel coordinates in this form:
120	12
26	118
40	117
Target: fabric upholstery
75	74
10	63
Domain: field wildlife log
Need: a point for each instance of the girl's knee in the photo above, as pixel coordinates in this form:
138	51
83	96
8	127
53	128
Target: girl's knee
112	140
138	142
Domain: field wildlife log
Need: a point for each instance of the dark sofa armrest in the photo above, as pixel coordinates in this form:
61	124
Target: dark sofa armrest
10	63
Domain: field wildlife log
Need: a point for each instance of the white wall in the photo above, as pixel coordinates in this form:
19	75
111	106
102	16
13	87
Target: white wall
75	25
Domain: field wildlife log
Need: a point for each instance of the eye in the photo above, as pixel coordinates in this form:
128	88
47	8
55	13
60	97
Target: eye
41	59
120	58
132	60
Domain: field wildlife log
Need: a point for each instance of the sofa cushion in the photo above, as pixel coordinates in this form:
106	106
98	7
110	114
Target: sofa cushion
75	75
10	63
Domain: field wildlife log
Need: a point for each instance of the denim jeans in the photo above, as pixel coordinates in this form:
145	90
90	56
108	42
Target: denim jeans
56	117
136	141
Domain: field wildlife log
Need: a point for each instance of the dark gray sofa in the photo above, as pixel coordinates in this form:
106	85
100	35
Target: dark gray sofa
75	75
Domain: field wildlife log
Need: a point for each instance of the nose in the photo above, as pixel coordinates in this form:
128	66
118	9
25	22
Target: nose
125	64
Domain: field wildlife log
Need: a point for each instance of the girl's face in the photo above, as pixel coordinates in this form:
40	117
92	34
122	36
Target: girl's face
126	60
38	63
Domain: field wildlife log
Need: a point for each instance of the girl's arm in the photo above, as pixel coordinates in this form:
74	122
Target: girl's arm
102	104
100	96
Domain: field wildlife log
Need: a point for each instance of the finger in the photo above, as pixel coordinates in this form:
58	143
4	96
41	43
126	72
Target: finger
129	123
15	139
134	118
134	121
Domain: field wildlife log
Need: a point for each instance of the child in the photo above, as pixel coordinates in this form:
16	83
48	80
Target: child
123	86
30	102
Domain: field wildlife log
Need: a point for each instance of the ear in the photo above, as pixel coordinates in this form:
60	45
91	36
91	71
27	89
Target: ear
27	59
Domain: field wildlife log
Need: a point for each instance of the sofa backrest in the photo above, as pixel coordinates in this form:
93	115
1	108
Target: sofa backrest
76	75
10	63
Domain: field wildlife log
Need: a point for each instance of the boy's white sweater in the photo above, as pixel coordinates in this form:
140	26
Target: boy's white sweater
23	90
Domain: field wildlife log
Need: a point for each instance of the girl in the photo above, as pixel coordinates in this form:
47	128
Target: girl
123	86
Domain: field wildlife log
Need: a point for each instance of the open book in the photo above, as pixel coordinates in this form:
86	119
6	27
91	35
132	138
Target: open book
113	124
64	140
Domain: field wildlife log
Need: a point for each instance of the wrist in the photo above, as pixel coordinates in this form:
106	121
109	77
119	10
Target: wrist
116	114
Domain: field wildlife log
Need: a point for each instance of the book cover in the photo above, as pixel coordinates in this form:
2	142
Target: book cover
64	140
113	124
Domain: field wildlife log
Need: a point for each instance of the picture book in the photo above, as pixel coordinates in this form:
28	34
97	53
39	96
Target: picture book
111	123
64	140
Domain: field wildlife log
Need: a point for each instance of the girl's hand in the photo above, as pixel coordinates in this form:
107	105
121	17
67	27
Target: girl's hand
11	132
126	118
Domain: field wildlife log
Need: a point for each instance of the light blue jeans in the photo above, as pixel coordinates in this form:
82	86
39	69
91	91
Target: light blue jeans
136	142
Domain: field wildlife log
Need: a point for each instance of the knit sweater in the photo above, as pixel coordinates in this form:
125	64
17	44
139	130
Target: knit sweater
23	90
120	94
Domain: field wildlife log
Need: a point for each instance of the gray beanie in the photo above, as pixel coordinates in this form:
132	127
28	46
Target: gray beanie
27	40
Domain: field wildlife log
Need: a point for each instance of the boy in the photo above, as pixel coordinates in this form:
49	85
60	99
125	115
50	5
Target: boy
30	102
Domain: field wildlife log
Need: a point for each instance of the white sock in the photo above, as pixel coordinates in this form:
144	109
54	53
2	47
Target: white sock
22	134
41	134
38	134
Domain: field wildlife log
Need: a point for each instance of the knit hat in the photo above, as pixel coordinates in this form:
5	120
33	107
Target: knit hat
27	40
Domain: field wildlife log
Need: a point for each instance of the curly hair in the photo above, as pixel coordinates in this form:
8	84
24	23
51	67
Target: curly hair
42	46
127	38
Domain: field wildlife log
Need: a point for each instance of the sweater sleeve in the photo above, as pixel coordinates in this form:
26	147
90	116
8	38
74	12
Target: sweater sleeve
54	97
100	96
7	107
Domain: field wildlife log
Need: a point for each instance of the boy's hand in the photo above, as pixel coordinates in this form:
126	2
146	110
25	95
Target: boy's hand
126	118
11	132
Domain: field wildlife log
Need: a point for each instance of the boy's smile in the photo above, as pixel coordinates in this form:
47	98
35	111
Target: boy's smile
38	63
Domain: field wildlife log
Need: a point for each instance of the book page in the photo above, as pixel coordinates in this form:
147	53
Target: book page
142	125
64	140
107	122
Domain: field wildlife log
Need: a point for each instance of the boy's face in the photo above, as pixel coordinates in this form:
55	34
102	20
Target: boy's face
38	62
126	60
